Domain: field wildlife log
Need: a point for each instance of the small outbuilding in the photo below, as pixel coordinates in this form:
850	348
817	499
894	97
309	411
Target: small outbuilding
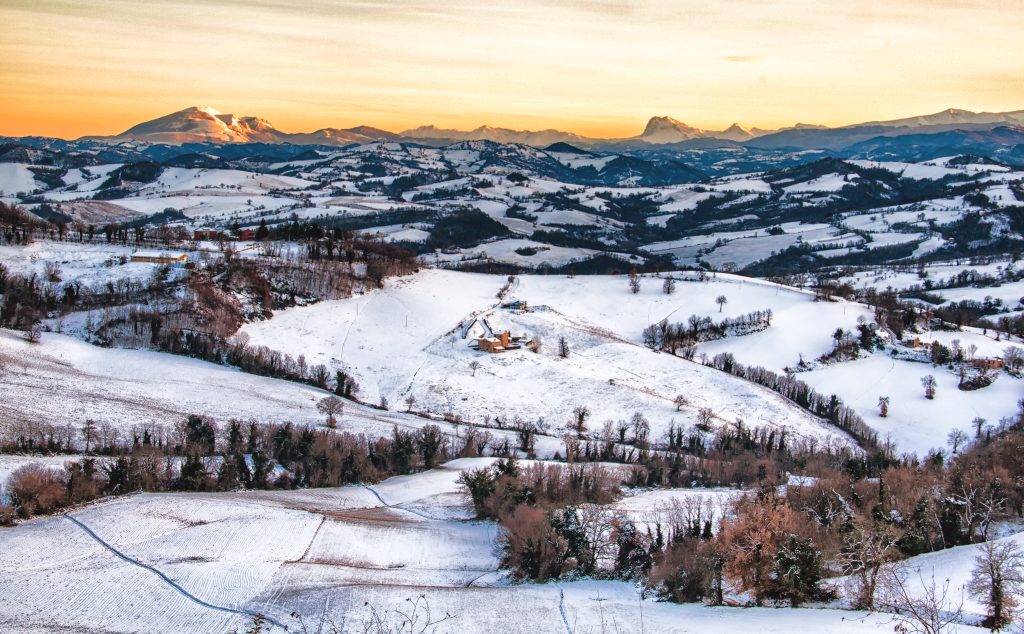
160	257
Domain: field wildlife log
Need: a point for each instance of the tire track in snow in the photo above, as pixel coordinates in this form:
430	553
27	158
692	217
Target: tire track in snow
395	506
185	593
561	609
305	553
469	584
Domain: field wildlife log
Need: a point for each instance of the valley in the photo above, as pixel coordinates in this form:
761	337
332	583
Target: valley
377	382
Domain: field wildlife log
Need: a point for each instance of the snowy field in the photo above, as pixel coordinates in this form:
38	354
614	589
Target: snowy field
62	380
90	264
915	424
407	340
330	552
16	178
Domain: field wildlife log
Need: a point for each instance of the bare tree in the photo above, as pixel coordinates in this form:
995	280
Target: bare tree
563	348
579	418
704	417
34	333
409	402
535	344
331	406
88	433
919	604
978	423
641	428
1013	357
634	282
597	525
721	300
998	581
928	383
474	365
956	438
883	406
866	548
680	401
669	286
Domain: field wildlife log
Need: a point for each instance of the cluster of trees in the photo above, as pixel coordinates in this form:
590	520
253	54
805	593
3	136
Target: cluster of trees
29	298
199	455
17	226
846	345
382	260
683	337
853	514
828	407
218	298
464	227
551	515
896	314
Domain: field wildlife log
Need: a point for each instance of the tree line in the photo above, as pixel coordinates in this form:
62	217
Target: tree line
677	337
199	455
858	516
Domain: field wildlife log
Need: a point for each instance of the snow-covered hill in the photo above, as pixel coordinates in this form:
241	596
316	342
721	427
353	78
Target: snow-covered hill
326	553
406	340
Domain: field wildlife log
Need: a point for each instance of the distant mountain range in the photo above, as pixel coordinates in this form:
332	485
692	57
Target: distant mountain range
206	125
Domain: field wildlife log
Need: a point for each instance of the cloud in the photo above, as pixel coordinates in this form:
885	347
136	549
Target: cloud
742	59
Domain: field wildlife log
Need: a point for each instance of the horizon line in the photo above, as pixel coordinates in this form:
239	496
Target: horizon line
402	133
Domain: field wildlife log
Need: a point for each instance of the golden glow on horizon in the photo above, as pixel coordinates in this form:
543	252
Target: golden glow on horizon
595	67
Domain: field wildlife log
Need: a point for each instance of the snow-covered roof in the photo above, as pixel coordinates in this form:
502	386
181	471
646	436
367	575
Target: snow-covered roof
159	254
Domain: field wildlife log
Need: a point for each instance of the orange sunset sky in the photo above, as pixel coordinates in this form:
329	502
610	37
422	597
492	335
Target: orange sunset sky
596	67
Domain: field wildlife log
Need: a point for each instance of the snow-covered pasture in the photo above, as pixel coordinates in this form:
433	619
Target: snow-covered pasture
331	552
405	340
742	248
534	254
90	264
915	424
62	380
177	179
801	328
884	277
16	178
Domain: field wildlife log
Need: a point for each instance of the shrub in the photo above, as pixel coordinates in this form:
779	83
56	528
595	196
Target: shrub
35	489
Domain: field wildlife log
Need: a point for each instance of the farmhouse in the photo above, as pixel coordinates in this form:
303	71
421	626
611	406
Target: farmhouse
483	337
160	257
207	233
500	342
916	343
984	363
490	344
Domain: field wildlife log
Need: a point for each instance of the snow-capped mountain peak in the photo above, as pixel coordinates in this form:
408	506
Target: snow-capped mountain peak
735	132
955	116
668	130
202	125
